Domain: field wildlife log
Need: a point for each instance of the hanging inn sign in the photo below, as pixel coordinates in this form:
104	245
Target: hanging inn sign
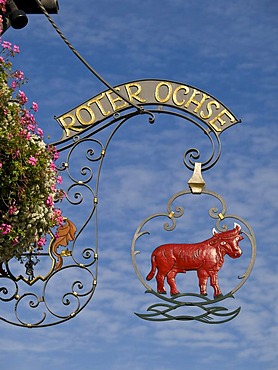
53	286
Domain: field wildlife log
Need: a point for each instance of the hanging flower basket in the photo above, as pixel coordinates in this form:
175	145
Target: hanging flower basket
28	175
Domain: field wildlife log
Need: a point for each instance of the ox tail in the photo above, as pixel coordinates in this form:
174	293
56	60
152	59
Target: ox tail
153	269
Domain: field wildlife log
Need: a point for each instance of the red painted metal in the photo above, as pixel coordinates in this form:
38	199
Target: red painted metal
206	257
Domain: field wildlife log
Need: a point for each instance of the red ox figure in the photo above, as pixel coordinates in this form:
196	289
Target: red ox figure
206	258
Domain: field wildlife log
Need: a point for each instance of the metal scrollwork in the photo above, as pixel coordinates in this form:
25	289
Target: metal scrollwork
62	280
211	312
208	314
191	156
53	286
50	287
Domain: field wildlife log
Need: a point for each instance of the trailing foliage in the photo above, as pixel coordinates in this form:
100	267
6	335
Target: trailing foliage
28	175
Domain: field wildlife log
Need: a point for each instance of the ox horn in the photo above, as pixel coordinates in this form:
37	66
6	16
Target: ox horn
214	232
237	226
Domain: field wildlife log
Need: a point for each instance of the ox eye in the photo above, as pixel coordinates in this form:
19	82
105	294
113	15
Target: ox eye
237	238
223	243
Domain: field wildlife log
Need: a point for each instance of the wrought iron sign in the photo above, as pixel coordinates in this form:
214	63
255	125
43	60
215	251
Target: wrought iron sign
47	288
64	288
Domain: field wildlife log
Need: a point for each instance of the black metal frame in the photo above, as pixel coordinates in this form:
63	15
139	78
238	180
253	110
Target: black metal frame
31	293
86	180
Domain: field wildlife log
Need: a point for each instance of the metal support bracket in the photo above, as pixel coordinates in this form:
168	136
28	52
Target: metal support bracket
196	182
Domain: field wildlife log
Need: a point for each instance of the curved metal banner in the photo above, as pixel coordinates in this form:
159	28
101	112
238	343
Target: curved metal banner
177	95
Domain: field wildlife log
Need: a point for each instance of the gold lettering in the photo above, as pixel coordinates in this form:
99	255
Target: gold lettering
209	109
182	97
198	103
175	94
80	118
68	126
157	92
134	95
98	103
114	100
220	120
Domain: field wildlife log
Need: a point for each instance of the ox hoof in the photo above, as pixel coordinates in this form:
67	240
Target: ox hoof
175	294
161	292
204	294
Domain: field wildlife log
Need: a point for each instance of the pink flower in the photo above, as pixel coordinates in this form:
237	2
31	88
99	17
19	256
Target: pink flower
56	155
58	216
31	127
7	45
35	106
19	75
2	60
1	165
25	133
41	242
27	118
12	210
52	166
3	5
5	228
16	49
32	161
22	97
49	201
59	179
40	132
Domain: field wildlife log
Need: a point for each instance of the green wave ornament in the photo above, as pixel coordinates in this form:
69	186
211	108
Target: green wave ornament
209	314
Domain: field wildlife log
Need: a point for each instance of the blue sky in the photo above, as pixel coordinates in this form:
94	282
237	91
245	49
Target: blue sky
227	49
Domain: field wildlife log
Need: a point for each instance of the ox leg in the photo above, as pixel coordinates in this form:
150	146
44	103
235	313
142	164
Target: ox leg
203	278
215	285
172	282
160	277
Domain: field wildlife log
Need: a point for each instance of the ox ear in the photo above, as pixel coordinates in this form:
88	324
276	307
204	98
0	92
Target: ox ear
214	232
237	226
